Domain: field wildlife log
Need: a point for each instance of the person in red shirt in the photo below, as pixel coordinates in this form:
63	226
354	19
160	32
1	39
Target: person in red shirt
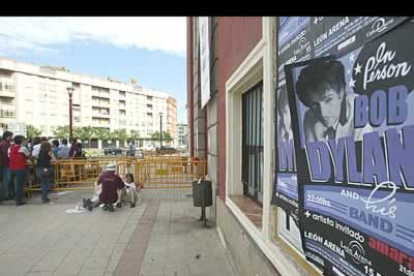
111	188
4	165
18	155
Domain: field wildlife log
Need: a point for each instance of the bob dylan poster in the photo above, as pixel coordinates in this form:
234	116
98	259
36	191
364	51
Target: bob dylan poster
353	128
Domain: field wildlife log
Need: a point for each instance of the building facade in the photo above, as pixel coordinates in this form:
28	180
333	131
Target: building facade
245	219
37	95
182	135
291	150
172	119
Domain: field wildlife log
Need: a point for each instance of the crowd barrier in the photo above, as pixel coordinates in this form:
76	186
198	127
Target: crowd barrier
154	172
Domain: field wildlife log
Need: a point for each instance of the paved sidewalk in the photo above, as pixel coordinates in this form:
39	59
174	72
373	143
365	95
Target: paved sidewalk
159	237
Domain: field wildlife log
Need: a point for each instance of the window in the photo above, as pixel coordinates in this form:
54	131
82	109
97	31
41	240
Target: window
252	142
42	86
8	87
53	87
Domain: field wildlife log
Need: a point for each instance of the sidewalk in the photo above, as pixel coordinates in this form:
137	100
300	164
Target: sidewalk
159	237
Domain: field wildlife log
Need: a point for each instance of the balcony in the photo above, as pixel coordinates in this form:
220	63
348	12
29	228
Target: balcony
101	115
6	88
100	103
7	94
7	114
100	123
98	94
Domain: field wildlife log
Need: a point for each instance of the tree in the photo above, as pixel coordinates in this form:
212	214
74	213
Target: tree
61	132
85	134
102	134
165	136
32	132
134	135
121	135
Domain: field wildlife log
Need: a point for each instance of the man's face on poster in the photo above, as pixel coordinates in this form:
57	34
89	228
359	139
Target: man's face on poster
326	106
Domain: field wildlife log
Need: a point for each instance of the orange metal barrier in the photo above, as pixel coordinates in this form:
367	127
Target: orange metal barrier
80	174
158	173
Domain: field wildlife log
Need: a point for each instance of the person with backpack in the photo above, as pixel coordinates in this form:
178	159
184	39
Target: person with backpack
18	155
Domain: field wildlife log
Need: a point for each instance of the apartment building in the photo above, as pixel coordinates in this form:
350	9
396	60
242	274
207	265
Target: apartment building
38	95
172	119
182	135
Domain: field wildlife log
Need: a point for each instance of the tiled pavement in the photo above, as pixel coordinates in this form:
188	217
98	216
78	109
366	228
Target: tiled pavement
159	237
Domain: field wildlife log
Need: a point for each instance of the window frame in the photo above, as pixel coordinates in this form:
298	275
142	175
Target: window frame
252	142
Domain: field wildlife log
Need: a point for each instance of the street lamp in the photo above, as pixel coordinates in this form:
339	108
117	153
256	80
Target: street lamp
70	92
160	129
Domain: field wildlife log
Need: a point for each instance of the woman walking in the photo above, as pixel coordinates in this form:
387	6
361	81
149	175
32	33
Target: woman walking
44	168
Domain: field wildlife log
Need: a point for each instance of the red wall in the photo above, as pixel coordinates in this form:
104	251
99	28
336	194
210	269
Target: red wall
237	36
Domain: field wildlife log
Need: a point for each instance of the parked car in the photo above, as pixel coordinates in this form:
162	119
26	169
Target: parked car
112	151
139	154
148	148
166	150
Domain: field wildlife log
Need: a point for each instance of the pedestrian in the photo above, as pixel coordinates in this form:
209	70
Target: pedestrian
55	148
63	152
111	186
131	192
36	146
18	154
131	148
29	145
44	168
74	149
81	153
5	191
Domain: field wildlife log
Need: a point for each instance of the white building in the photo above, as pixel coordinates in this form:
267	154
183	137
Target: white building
38	95
182	135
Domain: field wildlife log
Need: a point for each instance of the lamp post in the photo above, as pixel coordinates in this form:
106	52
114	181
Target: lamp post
160	129
70	92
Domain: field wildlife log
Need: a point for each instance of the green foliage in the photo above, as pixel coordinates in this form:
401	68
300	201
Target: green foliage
32	132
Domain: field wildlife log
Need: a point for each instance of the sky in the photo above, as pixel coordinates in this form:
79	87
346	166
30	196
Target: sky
151	50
